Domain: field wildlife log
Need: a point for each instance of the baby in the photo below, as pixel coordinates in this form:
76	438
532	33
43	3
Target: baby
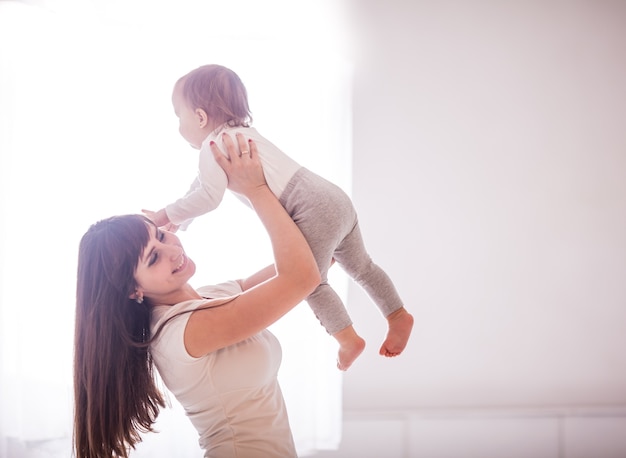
211	101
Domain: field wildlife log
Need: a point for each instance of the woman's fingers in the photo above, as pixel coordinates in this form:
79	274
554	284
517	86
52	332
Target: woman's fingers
220	158
231	149
247	149
244	175
243	145
253	149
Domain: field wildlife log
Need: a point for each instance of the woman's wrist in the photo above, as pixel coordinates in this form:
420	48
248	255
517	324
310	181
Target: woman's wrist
258	192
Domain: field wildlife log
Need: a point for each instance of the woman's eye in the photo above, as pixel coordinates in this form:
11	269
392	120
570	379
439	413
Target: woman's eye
160	235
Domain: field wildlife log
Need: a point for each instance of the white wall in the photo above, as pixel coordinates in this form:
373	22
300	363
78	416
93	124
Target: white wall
490	179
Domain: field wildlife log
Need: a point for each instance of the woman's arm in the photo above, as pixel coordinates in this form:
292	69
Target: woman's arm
296	274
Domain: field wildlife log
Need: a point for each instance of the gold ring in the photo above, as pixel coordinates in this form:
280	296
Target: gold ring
245	152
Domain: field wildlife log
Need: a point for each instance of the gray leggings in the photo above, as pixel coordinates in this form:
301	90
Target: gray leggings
328	220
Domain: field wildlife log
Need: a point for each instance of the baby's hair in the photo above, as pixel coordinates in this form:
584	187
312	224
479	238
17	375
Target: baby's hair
219	92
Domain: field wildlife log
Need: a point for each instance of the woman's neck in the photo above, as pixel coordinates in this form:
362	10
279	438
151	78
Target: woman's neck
186	293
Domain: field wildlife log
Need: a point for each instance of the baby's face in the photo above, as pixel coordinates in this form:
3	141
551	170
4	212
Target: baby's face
189	120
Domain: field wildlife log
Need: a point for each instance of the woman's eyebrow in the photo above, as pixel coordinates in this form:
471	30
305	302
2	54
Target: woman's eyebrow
147	256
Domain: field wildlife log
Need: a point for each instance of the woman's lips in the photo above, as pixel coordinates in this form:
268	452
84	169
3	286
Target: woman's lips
182	265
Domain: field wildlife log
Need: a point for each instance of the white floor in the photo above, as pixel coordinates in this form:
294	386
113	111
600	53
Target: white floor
557	433
571	433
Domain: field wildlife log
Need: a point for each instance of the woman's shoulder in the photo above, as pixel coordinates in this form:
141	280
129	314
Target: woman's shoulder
160	314
164	313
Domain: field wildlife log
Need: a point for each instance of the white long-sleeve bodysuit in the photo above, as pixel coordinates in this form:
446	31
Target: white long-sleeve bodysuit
322	211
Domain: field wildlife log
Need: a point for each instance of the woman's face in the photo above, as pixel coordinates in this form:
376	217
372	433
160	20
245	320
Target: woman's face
163	269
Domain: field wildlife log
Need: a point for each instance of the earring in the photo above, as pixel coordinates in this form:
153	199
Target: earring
139	299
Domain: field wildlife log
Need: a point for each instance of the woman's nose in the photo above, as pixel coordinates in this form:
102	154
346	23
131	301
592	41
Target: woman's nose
175	252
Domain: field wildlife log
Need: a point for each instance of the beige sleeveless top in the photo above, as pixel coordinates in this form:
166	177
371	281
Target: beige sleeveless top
231	395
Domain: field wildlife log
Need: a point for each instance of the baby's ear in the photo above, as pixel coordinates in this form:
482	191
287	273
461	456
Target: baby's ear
203	118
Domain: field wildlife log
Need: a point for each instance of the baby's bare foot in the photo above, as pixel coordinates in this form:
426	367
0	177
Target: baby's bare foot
351	345
349	353
400	325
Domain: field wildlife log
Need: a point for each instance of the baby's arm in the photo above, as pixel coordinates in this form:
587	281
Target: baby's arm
259	277
205	193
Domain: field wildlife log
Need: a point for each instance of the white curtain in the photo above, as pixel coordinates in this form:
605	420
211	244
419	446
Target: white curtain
87	131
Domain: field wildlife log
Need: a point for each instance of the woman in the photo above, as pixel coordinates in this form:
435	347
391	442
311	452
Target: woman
135	309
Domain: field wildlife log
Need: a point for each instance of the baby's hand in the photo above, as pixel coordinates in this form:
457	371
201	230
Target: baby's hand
171	227
160	219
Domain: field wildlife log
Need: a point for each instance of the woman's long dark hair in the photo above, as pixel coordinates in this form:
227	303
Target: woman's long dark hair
116	394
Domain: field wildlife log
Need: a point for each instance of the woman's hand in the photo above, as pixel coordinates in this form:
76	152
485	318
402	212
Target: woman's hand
242	165
275	290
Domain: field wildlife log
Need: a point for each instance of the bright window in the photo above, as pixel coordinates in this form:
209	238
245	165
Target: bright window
87	131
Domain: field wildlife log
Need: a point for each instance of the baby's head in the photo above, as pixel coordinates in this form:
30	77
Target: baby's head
219	92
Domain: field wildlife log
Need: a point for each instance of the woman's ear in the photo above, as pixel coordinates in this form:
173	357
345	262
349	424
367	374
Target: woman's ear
203	118
137	296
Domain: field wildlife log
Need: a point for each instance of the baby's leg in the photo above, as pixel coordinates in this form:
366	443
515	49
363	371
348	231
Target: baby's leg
324	214
353	257
331	312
